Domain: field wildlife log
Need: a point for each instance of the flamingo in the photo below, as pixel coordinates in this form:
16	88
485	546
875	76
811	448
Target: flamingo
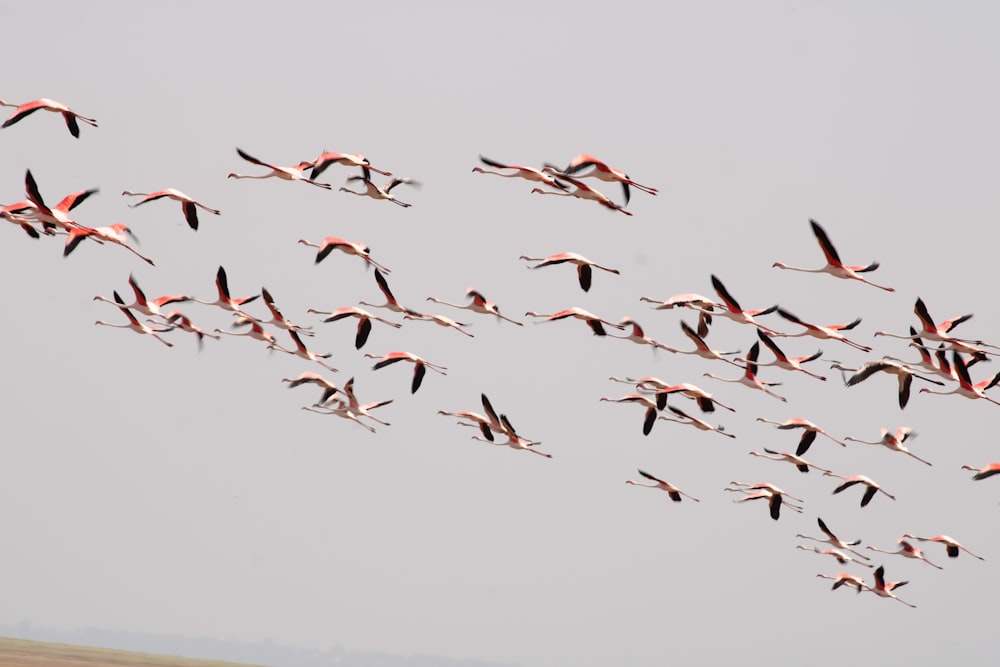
831	332
965	387
257	332
440	320
705	307
834	540
364	321
309	377
894	441
301	351
834	266
639	337
148	307
769	492
702	349
479	421
603	172
420	365
384	192
640	399
135	325
797	461
358	409
478	304
391	303
184	323
731	308
788	363
926	361
225	301
527	173
851	480
296	173
514	440
188	205
326	158
907	550
584	267
339	409
808	435
952	546
71	117
987	470
945	368
16	214
939	333
674	493
117	233
749	377
841	557
694	421
279	320
58	215
904	375
885	588
846	579
582	191
331	243
705	400
595	323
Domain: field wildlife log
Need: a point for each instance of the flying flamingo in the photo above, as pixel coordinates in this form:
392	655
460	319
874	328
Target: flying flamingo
301	351
478	304
384	192
331	243
359	409
135	325
834	540
731	308
603	172
341	409
871	487
769	492
952	546
797	461
885	588
904	376
894	441
705	400
783	361
639	336
296	173
987	470
907	550
584	267
834	266
749	377
582	191
674	493
694	421
702	349
184	323
944	367
189	206
256	331
28	108
487	424
148	307
965	387
593	321
309	377
117	233
391	303
831	332
225	301
420	365
279	320
364	321
939	333
440	320
58	215
514	440
841	557
640	399
705	307
527	173
809	432
326	158
846	579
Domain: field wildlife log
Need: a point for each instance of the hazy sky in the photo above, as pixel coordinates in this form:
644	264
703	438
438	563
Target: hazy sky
167	490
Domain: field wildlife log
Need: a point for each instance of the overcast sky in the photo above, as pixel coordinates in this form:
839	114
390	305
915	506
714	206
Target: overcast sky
166	490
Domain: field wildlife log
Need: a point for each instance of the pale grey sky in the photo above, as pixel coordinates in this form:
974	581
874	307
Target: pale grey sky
160	490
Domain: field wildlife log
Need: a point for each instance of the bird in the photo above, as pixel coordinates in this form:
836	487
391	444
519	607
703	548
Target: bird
674	493
952	546
939	333
702	349
331	243
595	323
479	421
358	409
846	579
705	307
309	377
71	117
514	440
184	323
809	432
904	376
295	173
885	588
965	386
693	421
56	216
783	361
301	351
440	320
894	441
384	192
987	470
834	266
279	320
517	171
135	325
148	307
841	557
225	301
189	206
582	191
117	233
584	267
834	540
420	365
637	335
906	550
871	487
326	159
705	400
391	303
651	410
749	377
256	331
797	461
831	332
603	172
731	308
339	408
364	321
478	304
774	497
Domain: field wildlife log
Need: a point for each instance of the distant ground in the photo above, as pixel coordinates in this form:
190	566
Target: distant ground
26	653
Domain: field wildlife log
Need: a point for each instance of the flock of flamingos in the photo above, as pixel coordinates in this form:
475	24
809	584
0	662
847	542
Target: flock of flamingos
943	362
